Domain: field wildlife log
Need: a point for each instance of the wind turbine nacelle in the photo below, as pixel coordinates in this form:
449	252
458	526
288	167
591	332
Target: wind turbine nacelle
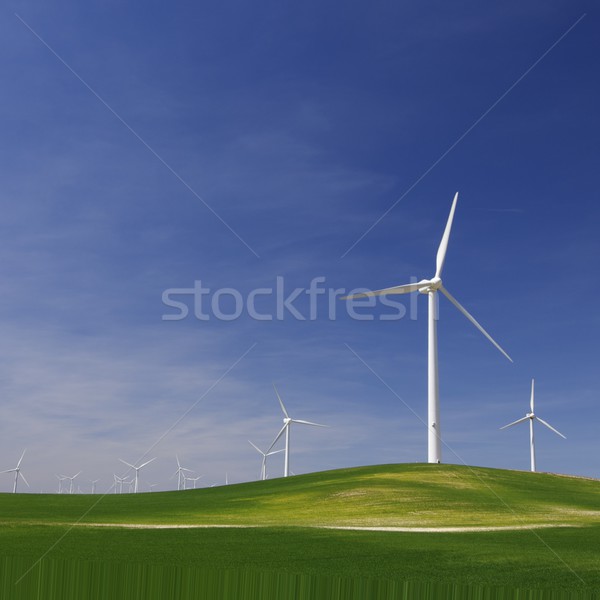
430	285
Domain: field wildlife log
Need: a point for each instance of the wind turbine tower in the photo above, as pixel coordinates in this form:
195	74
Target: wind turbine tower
287	424
137	470
17	472
263	466
531	417
430	288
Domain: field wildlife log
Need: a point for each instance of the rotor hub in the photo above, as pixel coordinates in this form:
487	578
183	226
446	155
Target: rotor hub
433	285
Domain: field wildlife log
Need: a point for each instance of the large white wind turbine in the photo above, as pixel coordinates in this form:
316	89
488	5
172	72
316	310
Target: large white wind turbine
431	287
287	423
263	466
180	473
17	472
137	470
531	416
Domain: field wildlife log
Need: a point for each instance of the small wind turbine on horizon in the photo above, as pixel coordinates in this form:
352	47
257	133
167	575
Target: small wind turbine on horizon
118	485
531	416
71	481
431	287
60	478
137	470
17	472
263	466
186	479
180	473
94	482
287	423
195	479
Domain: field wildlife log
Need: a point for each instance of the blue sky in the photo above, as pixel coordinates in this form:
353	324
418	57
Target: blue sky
300	126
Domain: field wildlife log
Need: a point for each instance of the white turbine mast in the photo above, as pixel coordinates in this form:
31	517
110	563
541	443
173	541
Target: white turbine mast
287	424
263	465
17	471
137	470
60	480
194	479
430	287
94	482
531	417
118	485
180	474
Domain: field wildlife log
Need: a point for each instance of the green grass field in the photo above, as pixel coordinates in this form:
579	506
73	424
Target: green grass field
286	535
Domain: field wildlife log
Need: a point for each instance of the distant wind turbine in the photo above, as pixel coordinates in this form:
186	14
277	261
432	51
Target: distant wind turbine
531	416
94	482
263	466
287	424
137	470
186	479
71	481
60	480
118	483
195	479
431	287
17	472
180	473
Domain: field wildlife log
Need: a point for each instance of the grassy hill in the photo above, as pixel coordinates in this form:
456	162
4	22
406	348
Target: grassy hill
405	495
285	540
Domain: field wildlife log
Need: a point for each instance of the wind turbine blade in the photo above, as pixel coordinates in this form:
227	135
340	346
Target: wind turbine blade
177	457
126	463
147	462
256	448
23	478
22	455
397	289
275	452
515	422
281	402
531	401
441	253
550	427
78	474
277	438
308	423
8	471
464	311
